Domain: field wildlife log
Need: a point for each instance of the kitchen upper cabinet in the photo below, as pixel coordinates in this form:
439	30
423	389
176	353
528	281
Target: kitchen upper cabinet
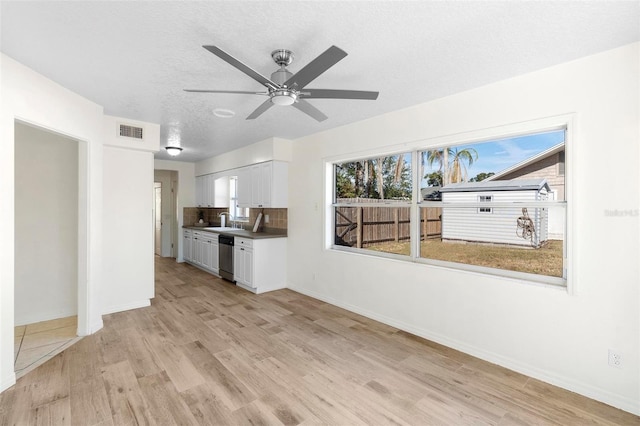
263	185
244	182
199	191
220	191
212	191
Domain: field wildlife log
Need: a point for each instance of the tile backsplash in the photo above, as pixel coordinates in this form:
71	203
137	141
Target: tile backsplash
277	217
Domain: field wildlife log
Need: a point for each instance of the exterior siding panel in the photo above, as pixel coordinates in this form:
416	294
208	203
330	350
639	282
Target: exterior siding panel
499	226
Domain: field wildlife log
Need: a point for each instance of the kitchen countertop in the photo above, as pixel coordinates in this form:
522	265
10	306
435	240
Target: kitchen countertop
243	233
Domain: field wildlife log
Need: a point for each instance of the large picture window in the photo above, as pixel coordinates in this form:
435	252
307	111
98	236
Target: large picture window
496	206
372	204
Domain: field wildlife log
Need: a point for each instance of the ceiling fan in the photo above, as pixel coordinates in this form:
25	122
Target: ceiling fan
285	88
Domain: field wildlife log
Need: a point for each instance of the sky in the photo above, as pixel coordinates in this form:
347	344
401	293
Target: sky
497	155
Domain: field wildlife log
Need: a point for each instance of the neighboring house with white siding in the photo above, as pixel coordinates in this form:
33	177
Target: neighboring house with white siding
549	165
499	225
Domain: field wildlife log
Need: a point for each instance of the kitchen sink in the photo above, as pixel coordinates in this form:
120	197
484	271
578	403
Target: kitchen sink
220	228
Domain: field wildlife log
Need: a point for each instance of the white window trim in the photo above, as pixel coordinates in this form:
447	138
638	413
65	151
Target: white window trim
570	261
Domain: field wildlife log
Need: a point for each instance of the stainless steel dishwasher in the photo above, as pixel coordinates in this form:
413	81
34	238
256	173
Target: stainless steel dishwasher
225	244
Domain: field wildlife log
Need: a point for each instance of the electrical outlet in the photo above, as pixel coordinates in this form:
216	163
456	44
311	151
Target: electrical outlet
615	358
266	218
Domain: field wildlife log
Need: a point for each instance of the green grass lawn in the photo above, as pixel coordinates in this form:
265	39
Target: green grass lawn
544	261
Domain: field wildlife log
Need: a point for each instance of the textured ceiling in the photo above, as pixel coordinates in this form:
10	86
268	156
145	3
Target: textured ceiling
134	58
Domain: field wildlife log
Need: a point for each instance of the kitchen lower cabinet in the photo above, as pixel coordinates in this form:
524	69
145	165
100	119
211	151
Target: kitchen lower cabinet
201	249
243	262
187	245
260	265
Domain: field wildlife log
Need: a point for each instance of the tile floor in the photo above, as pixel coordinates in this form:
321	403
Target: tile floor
35	344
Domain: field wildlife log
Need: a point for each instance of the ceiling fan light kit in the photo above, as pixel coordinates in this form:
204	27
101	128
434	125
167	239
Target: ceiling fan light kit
285	88
283	97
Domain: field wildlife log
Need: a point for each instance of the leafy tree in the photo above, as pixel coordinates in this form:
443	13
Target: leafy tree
434	178
481	176
380	178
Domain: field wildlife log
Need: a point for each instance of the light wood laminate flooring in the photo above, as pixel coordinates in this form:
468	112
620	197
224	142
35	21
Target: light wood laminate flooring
206	352
34	344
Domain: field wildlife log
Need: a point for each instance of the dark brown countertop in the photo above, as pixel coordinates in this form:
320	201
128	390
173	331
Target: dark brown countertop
243	233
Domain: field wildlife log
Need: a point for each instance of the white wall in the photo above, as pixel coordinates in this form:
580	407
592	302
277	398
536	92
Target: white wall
128	227
268	149
186	191
150	134
46	225
544	332
31	98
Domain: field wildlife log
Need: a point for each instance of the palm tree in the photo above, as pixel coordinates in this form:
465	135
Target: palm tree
458	171
451	162
440	156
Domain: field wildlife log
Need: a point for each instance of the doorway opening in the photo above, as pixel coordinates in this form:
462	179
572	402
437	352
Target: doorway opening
48	214
157	214
166	213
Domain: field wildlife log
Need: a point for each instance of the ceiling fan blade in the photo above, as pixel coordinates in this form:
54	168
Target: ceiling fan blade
338	94
242	67
310	110
226	91
262	108
313	69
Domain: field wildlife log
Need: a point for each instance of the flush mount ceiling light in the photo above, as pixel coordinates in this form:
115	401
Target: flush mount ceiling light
223	113
173	150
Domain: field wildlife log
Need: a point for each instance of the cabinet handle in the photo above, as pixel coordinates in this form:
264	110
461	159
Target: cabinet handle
242	249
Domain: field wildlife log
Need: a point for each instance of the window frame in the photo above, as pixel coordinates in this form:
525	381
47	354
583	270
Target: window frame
485	199
564	122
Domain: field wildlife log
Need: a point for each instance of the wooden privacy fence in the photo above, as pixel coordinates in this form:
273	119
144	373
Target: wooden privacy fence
364	226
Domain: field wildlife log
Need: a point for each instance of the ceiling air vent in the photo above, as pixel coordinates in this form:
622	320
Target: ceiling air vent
130	131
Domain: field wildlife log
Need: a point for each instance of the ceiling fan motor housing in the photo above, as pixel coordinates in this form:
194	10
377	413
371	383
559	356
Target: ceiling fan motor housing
284	96
280	76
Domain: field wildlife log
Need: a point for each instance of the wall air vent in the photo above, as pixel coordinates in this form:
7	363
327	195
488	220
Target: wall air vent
127	131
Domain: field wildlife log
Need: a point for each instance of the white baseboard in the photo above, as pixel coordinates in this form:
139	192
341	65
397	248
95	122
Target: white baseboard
126	307
618	401
8	381
33	317
95	326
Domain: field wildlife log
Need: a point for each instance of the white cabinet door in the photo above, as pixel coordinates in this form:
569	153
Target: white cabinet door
261	184
210	187
238	264
248	266
195	250
221	191
205	247
215	259
199	191
243	261
244	187
256	185
267	183
187	245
